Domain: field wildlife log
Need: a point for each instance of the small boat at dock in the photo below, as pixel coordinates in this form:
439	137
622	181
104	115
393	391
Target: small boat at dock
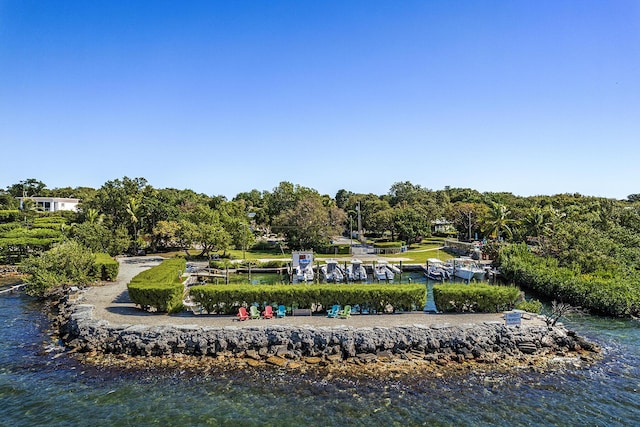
356	271
382	271
332	271
436	270
467	269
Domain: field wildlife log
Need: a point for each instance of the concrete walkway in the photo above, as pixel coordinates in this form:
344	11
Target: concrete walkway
112	303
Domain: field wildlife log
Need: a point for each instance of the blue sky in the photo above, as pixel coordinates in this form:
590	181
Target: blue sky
529	97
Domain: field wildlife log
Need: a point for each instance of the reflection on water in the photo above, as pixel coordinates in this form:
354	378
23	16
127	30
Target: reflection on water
275	278
39	386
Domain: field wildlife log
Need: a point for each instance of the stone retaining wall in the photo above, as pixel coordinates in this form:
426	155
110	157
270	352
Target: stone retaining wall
484	342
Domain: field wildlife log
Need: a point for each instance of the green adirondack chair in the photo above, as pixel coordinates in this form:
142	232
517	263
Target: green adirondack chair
343	314
254	313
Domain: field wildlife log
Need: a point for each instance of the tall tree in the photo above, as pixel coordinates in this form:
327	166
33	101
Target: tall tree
285	197
133	210
410	223
309	224
342	198
498	221
466	217
27	188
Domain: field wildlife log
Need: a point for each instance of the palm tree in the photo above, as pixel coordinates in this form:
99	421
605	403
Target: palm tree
133	209
93	217
534	222
498	221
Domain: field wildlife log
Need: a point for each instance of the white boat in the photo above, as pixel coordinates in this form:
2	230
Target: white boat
436	270
332	271
302	262
304	273
394	268
382	271
356	271
467	269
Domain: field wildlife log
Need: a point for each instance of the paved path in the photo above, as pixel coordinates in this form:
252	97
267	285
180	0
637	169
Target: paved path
112	303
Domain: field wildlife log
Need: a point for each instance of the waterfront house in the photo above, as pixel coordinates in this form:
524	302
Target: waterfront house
52	204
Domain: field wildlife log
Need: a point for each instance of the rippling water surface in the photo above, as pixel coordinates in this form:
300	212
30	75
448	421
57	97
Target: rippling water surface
40	386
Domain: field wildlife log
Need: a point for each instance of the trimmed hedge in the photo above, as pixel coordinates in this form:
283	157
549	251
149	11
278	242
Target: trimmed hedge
334	249
160	287
105	267
383	245
9	226
10	215
227	298
477	298
612	293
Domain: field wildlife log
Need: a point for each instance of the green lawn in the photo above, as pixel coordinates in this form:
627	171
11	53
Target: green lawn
417	253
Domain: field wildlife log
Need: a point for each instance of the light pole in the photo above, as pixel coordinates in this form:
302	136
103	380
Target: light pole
350	232
359	223
243	236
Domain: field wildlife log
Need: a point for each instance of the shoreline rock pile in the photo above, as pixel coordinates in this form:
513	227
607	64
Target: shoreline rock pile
291	346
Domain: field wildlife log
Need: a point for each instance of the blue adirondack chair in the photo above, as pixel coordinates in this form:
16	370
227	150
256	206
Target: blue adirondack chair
282	311
333	311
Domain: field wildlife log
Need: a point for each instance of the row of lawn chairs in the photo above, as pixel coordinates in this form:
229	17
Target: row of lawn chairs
254	313
336	311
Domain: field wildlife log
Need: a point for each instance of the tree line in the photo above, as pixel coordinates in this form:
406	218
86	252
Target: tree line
129	215
580	249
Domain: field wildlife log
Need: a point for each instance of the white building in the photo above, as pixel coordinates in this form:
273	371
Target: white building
52	204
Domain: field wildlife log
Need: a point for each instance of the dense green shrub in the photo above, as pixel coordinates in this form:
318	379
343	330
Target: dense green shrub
531	306
388	244
105	267
68	263
10	216
226	298
160	287
50	222
221	264
8	227
477	298
334	250
273	264
613	293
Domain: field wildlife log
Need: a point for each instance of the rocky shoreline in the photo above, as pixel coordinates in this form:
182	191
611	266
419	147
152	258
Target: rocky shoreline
344	349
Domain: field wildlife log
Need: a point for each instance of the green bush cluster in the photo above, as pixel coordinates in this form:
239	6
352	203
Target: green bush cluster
221	264
225	263
272	264
388	244
159	287
68	263
531	306
260	264
610	293
9	226
334	250
477	298
49	222
105	267
10	215
227	298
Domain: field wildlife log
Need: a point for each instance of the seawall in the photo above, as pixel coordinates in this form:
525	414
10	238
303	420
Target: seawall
485	342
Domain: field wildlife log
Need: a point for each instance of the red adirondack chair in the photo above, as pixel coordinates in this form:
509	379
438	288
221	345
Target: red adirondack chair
242	314
268	312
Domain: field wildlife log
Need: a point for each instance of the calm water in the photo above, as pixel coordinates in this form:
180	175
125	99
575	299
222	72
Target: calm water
274	278
38	386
